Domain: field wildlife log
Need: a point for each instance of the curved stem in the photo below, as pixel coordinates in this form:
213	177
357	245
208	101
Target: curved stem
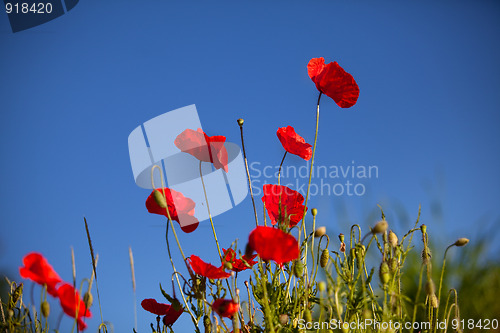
210	215
248	175
441	280
281	164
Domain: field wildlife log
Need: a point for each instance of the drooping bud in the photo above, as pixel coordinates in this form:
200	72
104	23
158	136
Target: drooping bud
45	309
384	273
380	227
240	122
283	318
461	242
321	286
393	239
160	199
341	237
325	256
88	299
298	269
320	232
207	323
430	288
314	212
228	265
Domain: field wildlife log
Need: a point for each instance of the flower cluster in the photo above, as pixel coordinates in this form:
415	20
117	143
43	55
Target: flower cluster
37	269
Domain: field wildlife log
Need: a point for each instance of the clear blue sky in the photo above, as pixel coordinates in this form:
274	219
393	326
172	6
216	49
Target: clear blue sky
73	89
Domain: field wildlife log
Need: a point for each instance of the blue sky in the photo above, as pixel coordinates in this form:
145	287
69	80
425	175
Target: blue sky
73	89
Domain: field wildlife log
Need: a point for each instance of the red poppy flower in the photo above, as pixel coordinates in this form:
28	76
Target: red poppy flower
294	143
70	300
207	270
203	147
170	312
273	244
179	207
37	269
333	81
225	307
291	204
238	264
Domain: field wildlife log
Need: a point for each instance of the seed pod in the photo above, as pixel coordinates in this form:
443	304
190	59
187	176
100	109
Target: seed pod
298	269
160	200
10	313
325	255
283	318
380	227
433	301
88	299
45	309
207	323
461	242
307	316
240	122
320	232
430	288
384	273
393	265
423	228
393	239
314	212
341	237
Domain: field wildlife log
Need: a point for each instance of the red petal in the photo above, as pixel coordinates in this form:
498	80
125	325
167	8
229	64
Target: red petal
37	269
294	143
291	203
207	270
337	84
274	244
225	307
151	305
315	66
70	300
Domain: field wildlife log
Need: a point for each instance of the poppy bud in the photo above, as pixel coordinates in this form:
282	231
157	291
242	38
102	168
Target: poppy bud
430	288
380	227
360	252
322	286
298	269
45	309
393	239
341	237
366	314
283	318
207	323
307	316
461	242
393	265
423	228
314	212
325	255
240	122
426	256
10	313
228	265
160	199
433	301
88	299
212	281
384	273
320	232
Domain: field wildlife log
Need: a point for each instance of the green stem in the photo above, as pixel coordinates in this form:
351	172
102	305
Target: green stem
441	282
248	176
281	164
210	215
415	306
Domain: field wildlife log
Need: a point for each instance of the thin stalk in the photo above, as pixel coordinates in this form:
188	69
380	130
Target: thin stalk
281	164
210	215
415	306
248	173
302	227
441	283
